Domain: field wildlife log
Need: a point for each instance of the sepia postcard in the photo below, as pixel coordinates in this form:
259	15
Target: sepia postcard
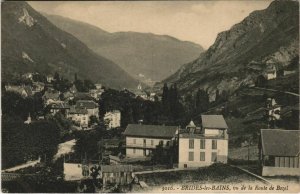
150	96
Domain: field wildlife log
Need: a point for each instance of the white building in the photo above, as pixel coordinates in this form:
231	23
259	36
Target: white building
205	146
271	73
142	139
113	119
96	93
50	78
273	109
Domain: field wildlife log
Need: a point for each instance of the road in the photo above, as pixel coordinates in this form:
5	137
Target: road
65	148
273	90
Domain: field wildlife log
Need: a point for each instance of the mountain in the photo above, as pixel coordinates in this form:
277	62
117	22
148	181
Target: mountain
31	43
266	38
143	55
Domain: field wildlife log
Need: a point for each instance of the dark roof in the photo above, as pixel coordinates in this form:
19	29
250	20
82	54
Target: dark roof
116	168
150	130
213	122
51	95
75	110
279	142
89	104
60	105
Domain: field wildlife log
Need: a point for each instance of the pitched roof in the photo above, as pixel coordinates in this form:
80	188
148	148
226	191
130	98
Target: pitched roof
75	110
150	130
191	124
60	105
213	122
51	95
279	142
89	104
116	168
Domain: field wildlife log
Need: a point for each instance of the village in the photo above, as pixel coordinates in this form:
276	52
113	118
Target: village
123	156
154	96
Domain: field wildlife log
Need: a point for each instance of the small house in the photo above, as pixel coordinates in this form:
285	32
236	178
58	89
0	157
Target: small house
113	119
270	72
75	171
61	107
79	115
24	91
51	96
90	106
50	78
279	152
272	109
38	87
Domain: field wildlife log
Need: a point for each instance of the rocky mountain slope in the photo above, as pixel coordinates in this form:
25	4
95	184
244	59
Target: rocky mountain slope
143	55
264	39
31	43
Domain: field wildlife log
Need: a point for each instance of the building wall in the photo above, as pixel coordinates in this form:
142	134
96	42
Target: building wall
82	119
133	143
280	171
289	162
114	119
73	171
93	112
121	178
212	132
135	152
184	150
271	75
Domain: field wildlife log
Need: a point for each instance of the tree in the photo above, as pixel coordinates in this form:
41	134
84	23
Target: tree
202	101
165	99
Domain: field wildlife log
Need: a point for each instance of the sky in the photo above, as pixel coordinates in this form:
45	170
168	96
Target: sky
196	21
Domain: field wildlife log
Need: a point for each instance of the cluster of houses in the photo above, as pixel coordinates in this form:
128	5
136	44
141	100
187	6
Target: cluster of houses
141	93
25	90
77	106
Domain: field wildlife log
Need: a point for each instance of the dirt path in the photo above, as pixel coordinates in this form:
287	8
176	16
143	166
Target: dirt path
21	166
273	90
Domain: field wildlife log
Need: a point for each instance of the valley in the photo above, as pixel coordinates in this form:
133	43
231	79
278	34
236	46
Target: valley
89	110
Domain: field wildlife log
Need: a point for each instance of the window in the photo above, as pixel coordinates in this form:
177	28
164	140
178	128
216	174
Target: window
214	144
152	142
214	156
144	141
191	156
161	142
202	143
191	143
202	156
134	141
185	165
133	150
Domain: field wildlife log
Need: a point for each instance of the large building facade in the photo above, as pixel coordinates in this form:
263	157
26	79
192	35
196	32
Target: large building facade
203	146
142	139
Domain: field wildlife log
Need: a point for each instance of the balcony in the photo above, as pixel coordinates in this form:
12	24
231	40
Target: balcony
148	146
